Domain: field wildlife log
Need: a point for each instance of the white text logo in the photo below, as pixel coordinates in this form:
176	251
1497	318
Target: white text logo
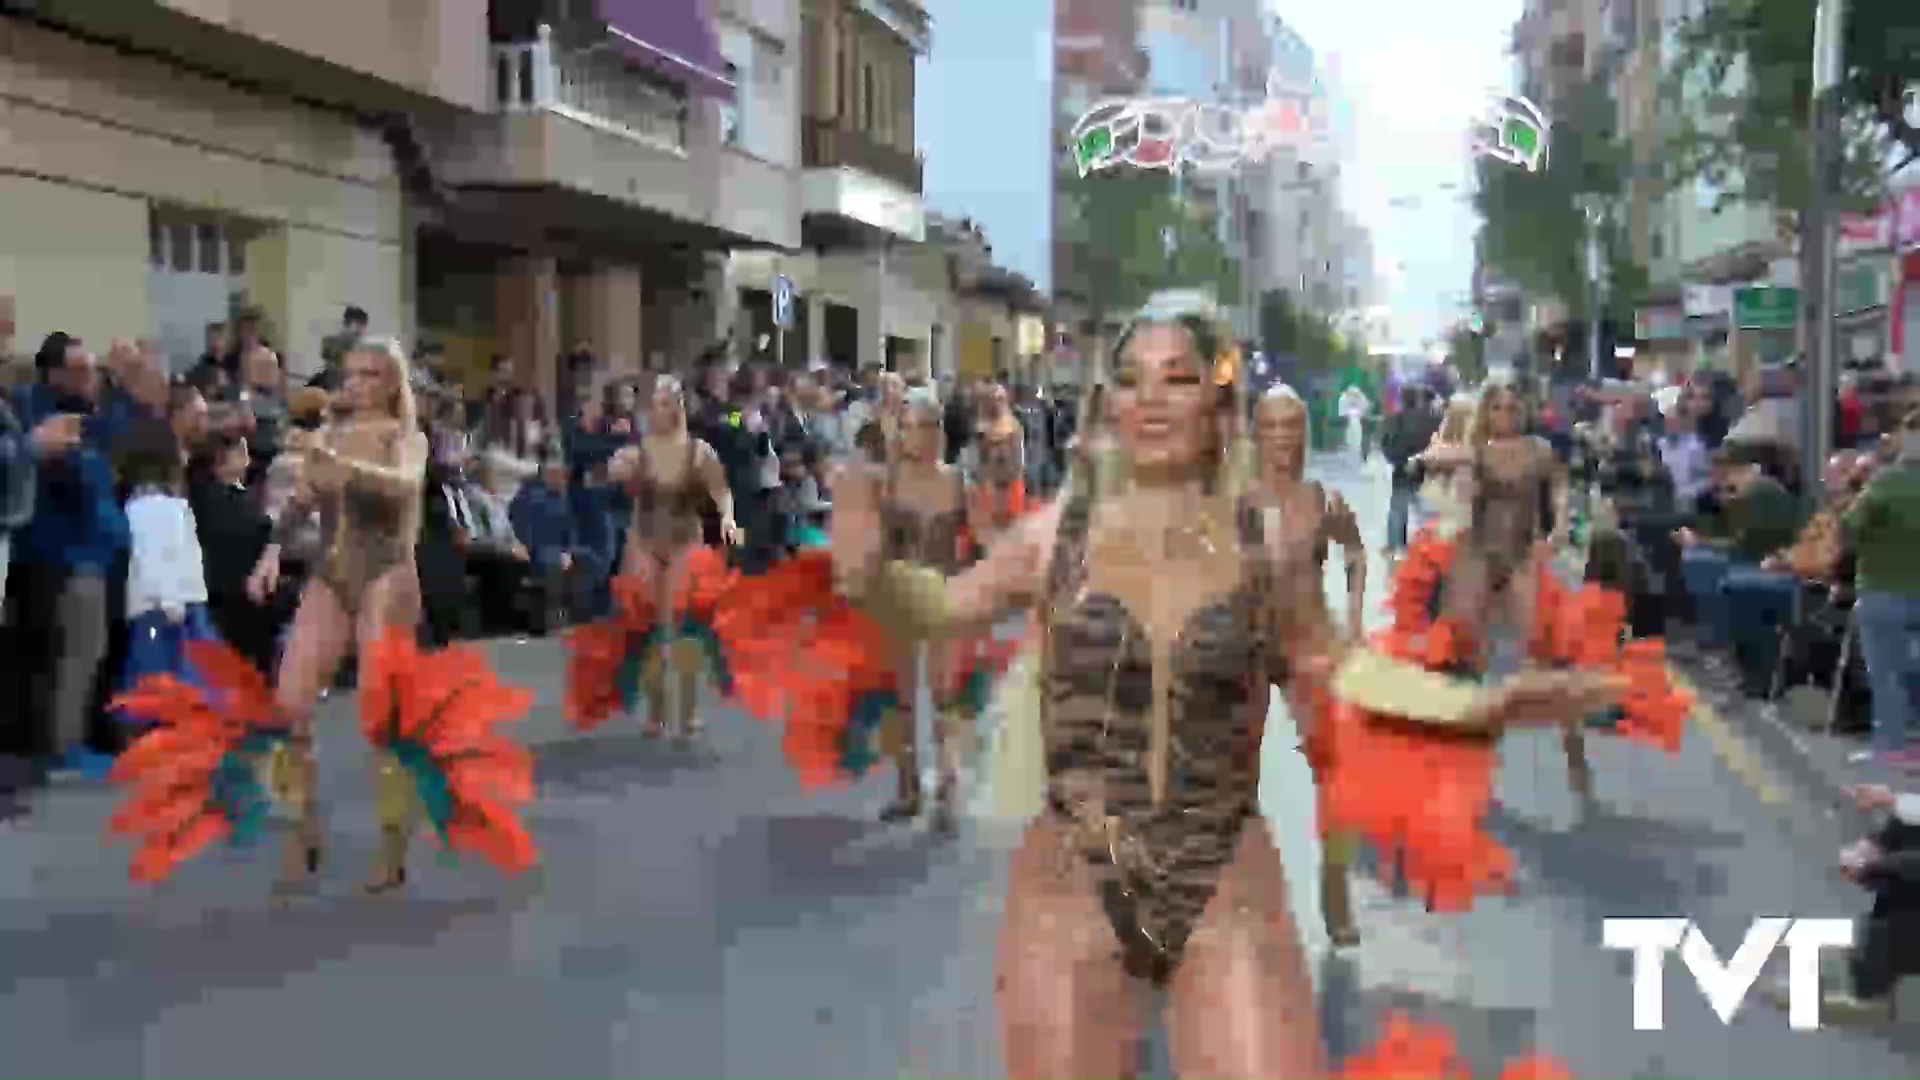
1725	985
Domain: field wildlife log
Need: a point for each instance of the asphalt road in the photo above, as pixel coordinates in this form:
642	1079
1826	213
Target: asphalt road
697	914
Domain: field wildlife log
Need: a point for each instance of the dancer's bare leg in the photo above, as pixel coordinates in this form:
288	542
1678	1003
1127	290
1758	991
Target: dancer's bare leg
686	655
1242	1003
392	603
1469	593
316	643
945	733
1067	1006
899	742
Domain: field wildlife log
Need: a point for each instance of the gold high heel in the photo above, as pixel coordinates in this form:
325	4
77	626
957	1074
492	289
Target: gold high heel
395	800
288	775
390	868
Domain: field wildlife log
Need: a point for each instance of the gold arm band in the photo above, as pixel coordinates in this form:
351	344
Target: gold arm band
909	600
1382	684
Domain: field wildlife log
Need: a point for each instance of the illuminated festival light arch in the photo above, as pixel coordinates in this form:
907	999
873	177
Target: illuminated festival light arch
1514	131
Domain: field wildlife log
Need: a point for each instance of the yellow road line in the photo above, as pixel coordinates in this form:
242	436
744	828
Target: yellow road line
1733	751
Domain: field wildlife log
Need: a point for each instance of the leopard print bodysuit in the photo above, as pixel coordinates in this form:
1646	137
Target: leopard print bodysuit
1155	865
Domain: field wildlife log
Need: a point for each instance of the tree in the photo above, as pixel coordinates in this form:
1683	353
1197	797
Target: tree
1536	222
1467	352
1739	95
1134	236
1288	330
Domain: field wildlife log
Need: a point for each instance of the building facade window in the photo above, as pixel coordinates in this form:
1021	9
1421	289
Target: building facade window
866	98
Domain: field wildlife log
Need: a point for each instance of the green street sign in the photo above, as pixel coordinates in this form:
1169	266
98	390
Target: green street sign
1764	308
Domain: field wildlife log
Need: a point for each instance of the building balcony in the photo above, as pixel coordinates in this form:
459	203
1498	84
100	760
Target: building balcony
593	88
828	145
853	189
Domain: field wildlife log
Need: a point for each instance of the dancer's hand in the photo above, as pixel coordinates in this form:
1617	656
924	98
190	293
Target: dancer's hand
854	532
325	472
265	579
731	533
1541	698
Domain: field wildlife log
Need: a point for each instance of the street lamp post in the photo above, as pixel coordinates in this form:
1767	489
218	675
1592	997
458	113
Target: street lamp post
1818	388
1596	286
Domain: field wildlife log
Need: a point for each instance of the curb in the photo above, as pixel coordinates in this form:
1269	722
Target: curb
1784	766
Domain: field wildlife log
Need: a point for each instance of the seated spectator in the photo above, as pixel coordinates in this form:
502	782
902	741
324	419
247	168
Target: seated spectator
1884	526
496	558
1736	603
543	519
1817	551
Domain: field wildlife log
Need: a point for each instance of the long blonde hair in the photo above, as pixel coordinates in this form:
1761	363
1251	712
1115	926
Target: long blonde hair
1457	424
405	409
1481	429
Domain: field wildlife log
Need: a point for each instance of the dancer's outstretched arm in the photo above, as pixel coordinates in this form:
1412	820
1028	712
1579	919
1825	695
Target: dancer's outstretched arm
918	602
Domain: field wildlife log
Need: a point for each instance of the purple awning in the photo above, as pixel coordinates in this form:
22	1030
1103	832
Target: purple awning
674	38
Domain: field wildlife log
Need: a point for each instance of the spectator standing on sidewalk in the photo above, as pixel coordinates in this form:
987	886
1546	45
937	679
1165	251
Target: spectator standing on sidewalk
236	540
1407	433
58	588
1886	940
1884	526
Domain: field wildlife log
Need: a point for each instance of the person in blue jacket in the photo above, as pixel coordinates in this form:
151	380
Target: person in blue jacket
63	561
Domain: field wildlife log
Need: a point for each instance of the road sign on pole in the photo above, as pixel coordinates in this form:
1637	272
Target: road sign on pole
783	301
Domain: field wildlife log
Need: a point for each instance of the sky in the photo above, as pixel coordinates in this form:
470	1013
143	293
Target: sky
983	106
1413	73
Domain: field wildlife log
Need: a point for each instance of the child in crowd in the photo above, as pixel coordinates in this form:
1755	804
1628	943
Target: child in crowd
166	580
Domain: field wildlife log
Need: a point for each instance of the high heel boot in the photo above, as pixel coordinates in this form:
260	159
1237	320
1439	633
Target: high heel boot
394	798
292	780
1336	892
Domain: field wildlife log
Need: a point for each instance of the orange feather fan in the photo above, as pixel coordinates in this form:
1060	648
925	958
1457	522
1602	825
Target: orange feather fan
439	713
191	779
1421	797
605	659
803	658
1410	1051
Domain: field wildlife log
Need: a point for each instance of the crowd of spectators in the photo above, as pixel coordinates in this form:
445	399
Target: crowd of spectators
141	506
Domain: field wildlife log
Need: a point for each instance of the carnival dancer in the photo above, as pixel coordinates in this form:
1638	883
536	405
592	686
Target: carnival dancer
226	753
1312	519
1168	603
1504	556
879	425
923	511
659	641
1446	498
998	465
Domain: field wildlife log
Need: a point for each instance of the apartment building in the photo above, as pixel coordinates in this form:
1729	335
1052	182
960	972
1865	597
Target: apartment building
1096	55
163	163
860	195
513	178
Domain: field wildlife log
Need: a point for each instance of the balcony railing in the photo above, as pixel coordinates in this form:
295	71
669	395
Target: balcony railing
594	87
828	145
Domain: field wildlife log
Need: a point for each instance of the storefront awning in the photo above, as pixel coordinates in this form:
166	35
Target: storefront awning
672	37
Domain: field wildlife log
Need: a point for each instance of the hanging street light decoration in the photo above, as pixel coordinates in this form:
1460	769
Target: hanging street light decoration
1170	132
1514	131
